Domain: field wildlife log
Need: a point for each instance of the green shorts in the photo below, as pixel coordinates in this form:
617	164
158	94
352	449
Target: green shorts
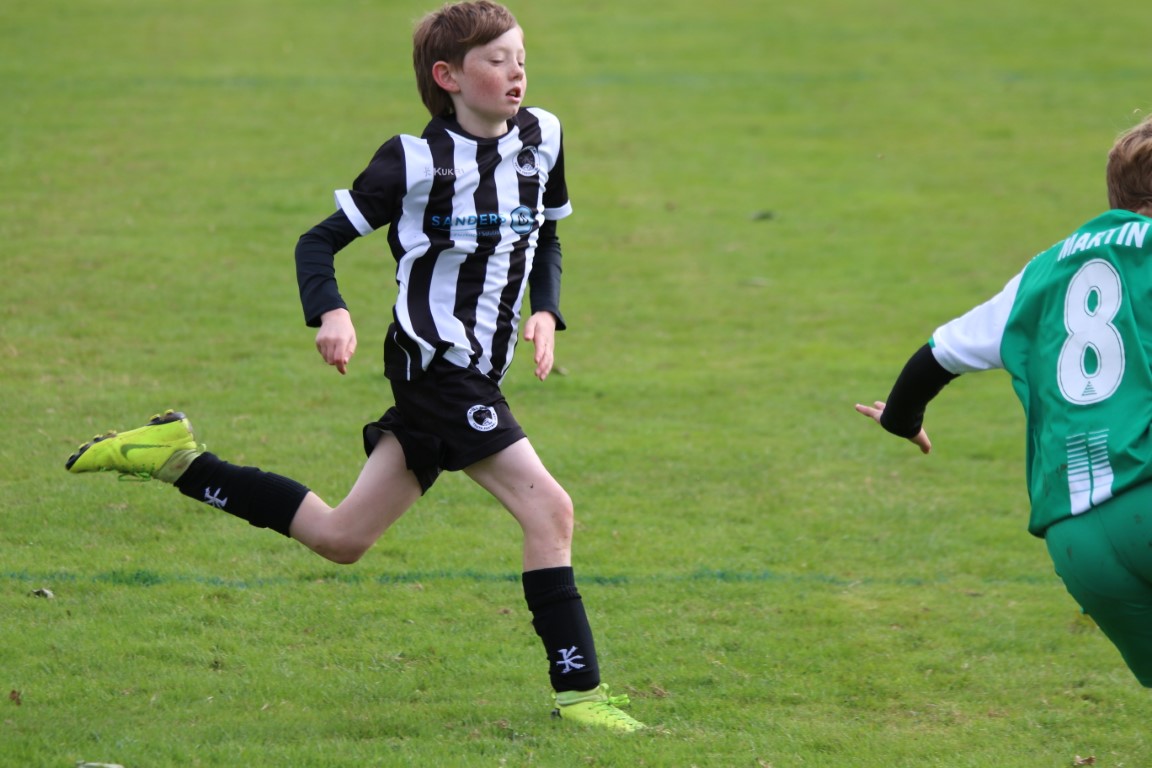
1104	558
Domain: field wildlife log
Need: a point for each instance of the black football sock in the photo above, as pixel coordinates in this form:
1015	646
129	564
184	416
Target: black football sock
263	499
559	619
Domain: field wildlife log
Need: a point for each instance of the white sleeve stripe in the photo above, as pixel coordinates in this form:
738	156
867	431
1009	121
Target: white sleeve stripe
553	214
344	202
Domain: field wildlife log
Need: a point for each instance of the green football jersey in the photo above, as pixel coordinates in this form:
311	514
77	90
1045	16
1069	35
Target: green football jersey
1074	331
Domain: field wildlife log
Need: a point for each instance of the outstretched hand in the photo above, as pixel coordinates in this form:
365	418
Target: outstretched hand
874	412
336	339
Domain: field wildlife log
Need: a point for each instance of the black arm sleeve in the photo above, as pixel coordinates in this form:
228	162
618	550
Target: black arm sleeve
544	280
316	265
919	382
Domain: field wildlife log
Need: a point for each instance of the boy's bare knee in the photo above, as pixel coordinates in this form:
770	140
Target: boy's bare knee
342	551
566	520
563	517
345	557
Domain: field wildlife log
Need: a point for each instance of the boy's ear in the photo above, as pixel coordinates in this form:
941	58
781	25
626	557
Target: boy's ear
442	74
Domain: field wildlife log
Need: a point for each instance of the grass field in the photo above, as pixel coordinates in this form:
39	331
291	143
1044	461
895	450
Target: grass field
774	207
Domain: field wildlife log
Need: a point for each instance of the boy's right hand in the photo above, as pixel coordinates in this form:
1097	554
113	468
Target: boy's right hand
336	339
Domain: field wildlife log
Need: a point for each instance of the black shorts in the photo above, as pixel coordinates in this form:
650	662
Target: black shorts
448	419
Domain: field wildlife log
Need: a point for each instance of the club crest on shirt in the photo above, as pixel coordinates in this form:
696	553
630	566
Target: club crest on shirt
528	161
482	418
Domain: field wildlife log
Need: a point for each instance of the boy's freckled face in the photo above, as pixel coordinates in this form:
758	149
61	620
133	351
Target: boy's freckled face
492	79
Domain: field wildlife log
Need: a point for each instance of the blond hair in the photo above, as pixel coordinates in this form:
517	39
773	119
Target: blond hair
1129	171
447	35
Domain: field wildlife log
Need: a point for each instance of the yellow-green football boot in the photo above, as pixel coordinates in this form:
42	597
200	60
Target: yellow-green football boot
162	449
595	708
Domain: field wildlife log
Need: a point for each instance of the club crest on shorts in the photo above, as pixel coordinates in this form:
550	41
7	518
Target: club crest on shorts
482	418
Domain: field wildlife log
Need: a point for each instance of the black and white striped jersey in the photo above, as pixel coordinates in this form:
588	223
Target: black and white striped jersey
464	217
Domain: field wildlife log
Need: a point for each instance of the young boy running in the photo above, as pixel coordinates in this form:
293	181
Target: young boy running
1074	331
471	207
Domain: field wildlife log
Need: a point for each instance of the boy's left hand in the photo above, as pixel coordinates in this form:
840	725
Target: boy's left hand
541	331
876	410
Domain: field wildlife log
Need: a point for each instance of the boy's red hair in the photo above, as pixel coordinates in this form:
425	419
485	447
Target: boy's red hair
447	35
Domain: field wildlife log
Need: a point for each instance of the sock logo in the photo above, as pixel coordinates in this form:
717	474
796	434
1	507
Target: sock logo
569	660
212	498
